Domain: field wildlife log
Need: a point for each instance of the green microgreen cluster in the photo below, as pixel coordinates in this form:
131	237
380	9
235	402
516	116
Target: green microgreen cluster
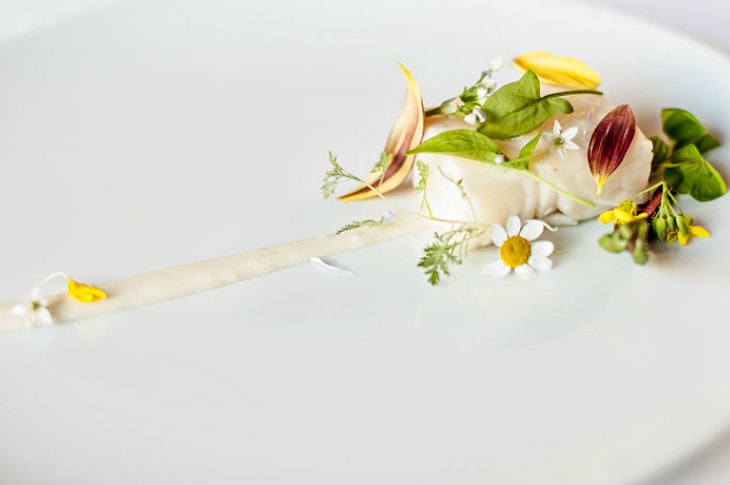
447	249
471	97
334	176
362	223
679	169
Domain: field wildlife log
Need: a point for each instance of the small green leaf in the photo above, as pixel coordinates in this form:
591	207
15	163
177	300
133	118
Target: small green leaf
684	128
461	143
691	174
517	108
661	152
523	159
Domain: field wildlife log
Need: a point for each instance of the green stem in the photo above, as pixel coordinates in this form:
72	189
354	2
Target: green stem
554	187
571	93
433	112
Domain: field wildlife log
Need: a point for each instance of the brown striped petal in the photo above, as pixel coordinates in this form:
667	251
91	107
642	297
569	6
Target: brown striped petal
609	143
405	134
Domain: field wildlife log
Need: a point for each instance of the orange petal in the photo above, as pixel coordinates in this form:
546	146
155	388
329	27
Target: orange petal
405	134
563	71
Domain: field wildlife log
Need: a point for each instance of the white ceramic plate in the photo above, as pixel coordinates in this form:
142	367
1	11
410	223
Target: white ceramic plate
156	133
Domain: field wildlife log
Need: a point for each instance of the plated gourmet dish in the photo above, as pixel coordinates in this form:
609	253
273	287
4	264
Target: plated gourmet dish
548	148
495	164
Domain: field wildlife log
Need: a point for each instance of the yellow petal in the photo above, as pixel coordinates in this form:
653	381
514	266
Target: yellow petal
683	238
405	134
563	71
607	217
623	216
83	292
699	231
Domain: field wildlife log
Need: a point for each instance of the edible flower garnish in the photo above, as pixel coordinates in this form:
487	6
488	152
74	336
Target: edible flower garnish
517	251
395	165
563	71
624	213
35	310
609	143
563	139
686	231
83	292
476	116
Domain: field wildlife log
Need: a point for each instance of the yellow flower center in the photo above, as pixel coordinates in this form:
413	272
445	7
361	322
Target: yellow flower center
515	251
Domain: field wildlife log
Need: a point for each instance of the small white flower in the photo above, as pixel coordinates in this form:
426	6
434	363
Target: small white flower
482	93
35	309
477	115
453	106
499	159
563	139
496	64
517	249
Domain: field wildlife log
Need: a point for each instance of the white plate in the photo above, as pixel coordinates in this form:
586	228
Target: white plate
157	133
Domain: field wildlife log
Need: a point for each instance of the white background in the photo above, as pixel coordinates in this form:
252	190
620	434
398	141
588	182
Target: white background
707	20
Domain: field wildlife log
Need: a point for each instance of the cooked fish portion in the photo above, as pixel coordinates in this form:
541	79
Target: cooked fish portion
494	194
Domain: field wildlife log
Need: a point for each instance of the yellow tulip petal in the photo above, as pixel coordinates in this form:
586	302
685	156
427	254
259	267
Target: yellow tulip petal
563	71
699	231
83	292
405	134
607	217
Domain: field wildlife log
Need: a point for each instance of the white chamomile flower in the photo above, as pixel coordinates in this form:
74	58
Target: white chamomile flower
477	115
563	139
518	249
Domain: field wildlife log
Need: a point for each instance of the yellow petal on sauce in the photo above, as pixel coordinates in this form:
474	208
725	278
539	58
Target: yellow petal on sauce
405	134
83	292
563	71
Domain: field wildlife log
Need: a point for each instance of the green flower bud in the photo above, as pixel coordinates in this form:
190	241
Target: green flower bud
659	224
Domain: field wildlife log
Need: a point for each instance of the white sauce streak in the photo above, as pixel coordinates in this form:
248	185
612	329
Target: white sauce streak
180	281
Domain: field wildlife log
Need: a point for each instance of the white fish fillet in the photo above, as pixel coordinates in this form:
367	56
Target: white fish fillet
496	194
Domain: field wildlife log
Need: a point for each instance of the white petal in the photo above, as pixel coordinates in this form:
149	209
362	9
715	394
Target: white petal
532	230
499	159
498	234
496	269
569	145
542	249
525	271
471	118
496	64
36	294
480	114
42	316
557	129
562	152
19	309
513	226
481	92
569	134
540	263
329	268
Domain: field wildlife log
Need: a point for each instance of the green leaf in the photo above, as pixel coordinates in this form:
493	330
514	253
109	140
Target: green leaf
461	143
691	174
661	152
523	159
684	128
517	108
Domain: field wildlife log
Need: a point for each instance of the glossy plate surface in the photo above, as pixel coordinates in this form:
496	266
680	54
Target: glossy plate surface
156	133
